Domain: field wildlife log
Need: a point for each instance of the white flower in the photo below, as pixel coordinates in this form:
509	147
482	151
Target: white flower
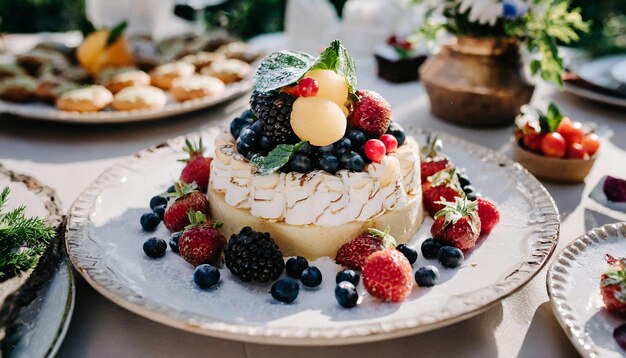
482	11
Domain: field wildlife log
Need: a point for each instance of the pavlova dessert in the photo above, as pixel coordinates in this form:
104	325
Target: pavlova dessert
317	173
316	161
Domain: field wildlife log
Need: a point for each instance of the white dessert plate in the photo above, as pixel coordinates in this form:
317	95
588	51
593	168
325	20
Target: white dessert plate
574	290
618	71
46	112
44	322
104	241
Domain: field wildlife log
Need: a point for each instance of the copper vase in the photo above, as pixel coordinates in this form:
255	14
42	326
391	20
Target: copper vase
477	82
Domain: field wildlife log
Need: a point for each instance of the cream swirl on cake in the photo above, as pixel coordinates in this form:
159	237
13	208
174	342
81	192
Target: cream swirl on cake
316	198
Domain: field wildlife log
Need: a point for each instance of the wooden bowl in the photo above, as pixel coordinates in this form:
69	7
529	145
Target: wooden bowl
558	170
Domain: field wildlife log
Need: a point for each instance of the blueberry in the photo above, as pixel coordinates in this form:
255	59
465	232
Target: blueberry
149	221
305	149
266	143
352	161
248	116
357	137
471	196
171	189
341	146
324	149
463	179
235	127
285	290
397	131
450	256
346	294
248	137
348	275
295	266
430	248
311	277
257	127
328	162
154	247
242	147
409	252
206	276
156	201
160	211
469	189
174	241
301	163
427	276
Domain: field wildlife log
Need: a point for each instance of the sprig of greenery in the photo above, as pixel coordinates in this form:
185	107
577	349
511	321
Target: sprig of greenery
22	239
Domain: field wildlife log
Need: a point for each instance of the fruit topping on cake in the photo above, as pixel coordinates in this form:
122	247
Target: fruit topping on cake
197	167
433	161
354	253
443	185
457	224
201	241
185	198
489	215
613	285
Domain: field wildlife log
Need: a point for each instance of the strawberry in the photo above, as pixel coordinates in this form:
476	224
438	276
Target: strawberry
187	197
432	161
198	167
372	113
613	286
387	275
457	224
354	253
489	215
443	185
201	242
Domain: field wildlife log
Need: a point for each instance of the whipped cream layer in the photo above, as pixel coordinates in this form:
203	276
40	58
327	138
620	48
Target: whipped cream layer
316	198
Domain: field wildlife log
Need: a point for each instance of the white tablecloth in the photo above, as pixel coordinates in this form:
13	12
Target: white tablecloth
69	157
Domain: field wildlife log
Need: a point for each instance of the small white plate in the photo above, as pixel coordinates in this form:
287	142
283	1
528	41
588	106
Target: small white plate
618	71
598	72
46	112
104	242
574	290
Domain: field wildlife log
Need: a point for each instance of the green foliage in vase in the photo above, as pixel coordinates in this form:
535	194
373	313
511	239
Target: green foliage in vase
538	24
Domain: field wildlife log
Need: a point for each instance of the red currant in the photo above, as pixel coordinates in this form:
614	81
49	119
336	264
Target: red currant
390	142
375	150
553	145
308	87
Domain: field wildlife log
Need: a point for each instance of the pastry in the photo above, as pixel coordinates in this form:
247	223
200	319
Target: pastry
18	89
229	71
203	59
240	51
196	86
346	166
36	61
116	79
50	88
139	97
11	70
89	99
163	75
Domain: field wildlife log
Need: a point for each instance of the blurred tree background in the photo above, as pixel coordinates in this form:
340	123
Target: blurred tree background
247	18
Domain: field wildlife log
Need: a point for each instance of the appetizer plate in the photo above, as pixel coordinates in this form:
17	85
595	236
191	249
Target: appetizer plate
45	112
574	290
599	73
44	322
104	241
594	96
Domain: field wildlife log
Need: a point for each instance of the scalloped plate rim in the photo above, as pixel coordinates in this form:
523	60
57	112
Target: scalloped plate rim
367	332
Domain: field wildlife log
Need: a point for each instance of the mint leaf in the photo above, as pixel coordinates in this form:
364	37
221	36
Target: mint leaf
276	158
281	69
116	32
550	121
336	57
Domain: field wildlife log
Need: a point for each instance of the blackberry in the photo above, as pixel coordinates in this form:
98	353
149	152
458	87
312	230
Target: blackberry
274	109
253	256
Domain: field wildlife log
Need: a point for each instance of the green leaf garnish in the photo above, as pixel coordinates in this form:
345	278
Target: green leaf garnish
550	121
276	158
281	69
116	32
22	239
336	58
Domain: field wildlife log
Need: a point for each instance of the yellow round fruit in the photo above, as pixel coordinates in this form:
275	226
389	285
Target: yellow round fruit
94	54
93	45
332	86
318	120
